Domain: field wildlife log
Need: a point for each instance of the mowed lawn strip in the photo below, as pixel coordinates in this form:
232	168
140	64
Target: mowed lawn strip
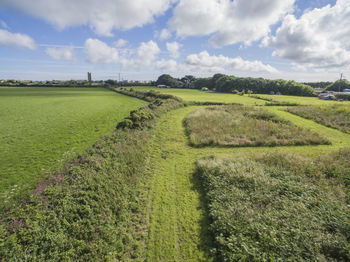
178	223
236	125
41	127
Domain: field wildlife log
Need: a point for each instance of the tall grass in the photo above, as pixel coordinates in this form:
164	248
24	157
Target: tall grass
332	116
270	210
236	125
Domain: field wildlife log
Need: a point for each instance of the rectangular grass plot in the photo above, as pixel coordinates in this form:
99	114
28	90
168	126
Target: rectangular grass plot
236	125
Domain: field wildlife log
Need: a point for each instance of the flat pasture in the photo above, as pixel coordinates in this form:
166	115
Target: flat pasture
43	127
206	96
302	100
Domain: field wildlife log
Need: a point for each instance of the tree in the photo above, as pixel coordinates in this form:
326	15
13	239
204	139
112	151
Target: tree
213	80
166	79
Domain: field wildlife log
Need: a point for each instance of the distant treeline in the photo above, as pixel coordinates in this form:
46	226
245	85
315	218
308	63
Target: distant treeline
232	84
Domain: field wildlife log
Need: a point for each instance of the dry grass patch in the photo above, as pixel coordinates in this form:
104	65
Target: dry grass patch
237	125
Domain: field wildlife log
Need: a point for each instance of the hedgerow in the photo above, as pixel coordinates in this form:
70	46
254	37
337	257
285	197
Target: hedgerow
275	209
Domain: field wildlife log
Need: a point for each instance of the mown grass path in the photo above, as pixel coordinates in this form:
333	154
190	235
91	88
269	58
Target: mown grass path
177	215
178	226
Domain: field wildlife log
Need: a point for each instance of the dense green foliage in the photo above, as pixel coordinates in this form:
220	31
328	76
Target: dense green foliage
322	85
331	116
43	127
232	84
88	211
168	80
339	85
271	210
202	82
229	84
237	125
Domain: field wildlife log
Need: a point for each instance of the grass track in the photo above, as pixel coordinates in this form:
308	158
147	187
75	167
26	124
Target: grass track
177	214
178	224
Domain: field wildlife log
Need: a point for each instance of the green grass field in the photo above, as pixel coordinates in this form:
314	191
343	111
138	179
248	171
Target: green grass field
303	100
170	219
209	96
42	127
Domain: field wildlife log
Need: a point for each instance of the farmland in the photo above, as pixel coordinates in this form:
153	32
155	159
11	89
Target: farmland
43	127
171	201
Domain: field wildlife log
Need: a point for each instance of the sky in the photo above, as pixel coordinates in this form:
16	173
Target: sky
142	39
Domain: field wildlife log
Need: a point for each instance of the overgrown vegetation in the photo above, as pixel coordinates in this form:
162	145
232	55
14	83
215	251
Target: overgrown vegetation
237	125
92	209
332	116
277	207
339	85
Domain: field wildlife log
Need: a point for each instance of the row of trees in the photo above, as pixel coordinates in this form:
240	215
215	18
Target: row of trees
339	85
232	84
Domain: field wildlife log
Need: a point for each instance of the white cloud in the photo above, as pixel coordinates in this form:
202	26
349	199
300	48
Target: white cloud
320	38
144	56
229	21
101	15
205	62
62	53
16	40
98	52
166	65
121	42
173	48
164	34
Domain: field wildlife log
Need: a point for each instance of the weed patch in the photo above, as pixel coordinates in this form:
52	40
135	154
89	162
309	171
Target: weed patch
268	209
245	126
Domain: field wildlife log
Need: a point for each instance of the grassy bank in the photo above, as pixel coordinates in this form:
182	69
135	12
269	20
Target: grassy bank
42	127
245	126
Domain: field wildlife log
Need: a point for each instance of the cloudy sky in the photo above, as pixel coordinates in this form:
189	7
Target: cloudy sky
141	39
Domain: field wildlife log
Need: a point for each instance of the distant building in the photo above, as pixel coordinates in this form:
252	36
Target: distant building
89	76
